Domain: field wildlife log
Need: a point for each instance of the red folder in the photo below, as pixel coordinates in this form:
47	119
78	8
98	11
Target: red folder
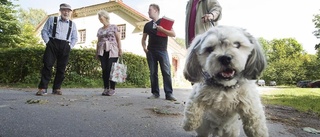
166	23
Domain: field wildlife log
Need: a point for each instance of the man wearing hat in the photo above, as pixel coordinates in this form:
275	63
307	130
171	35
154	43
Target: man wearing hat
60	35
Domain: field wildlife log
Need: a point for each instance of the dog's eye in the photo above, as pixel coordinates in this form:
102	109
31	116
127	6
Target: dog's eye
237	44
209	49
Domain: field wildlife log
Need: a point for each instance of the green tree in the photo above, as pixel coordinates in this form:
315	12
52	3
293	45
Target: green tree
28	37
285	60
32	16
266	46
316	61
9	25
285	48
311	65
316	21
30	19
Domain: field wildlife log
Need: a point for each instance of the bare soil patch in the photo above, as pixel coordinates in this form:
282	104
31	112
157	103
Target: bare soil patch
293	118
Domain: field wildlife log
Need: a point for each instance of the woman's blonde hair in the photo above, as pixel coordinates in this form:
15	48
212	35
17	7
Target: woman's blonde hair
104	14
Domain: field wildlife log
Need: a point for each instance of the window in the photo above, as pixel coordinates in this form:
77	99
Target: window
82	36
122	29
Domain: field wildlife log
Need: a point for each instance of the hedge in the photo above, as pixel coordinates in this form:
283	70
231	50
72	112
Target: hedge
23	65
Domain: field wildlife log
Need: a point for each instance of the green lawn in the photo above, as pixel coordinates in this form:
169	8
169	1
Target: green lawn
302	99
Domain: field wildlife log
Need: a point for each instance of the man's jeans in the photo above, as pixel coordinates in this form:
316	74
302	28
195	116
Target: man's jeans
161	57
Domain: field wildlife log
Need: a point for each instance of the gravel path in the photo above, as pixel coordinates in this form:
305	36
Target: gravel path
84	112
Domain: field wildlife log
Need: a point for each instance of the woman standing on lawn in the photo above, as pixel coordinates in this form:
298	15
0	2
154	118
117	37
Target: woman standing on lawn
108	50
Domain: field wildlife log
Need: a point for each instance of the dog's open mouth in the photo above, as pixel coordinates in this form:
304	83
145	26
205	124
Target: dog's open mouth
227	73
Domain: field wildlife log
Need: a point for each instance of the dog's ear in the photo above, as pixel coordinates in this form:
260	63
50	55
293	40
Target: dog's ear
256	62
192	69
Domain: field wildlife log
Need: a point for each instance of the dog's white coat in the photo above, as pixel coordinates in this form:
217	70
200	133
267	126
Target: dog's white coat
218	108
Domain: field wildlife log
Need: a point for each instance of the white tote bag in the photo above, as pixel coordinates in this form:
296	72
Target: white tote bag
118	71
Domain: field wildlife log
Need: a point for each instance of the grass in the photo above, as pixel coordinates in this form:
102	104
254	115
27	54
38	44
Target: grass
302	99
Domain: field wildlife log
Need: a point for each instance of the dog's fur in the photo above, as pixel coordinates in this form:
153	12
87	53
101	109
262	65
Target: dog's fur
223	64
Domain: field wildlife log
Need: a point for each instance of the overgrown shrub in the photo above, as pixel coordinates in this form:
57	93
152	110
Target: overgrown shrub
23	65
18	63
138	71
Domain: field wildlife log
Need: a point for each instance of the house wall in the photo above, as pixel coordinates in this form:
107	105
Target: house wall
132	42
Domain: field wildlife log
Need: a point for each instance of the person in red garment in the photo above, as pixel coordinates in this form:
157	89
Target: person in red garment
200	16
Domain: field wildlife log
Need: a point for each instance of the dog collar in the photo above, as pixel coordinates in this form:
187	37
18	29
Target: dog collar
210	81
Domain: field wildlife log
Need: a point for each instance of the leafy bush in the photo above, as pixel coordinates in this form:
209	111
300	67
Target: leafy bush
17	63
138	71
23	65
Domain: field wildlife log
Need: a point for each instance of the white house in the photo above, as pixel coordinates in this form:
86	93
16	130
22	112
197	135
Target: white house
130	23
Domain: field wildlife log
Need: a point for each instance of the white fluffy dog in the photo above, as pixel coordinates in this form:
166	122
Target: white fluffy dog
223	63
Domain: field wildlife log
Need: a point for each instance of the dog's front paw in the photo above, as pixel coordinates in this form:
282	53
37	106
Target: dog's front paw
188	126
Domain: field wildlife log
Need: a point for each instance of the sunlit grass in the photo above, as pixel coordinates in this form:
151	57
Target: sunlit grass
302	99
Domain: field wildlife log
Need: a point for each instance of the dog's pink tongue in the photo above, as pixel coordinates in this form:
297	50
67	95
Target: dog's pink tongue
228	74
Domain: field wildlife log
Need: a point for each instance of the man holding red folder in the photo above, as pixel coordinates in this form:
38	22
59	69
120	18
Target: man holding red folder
156	52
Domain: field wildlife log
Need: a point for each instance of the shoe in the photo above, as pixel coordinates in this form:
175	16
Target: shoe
57	92
41	92
153	97
111	92
171	98
105	92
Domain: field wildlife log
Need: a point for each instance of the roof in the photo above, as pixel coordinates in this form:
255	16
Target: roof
111	6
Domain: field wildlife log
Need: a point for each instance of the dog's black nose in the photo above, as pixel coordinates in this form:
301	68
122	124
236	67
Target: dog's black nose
225	59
